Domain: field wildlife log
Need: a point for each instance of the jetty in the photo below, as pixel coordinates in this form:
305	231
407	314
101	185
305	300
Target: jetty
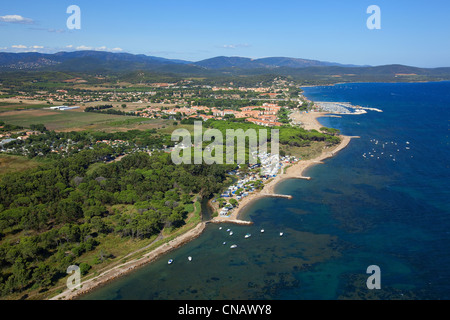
274	195
235	221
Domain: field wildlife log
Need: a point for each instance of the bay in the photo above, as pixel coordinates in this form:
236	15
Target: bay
356	211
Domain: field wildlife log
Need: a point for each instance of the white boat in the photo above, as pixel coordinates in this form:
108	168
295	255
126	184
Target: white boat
228	230
170	261
248	235
190	258
262	230
224	243
233	246
220	228
231	233
281	234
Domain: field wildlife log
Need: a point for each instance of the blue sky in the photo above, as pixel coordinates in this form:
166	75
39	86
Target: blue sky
412	32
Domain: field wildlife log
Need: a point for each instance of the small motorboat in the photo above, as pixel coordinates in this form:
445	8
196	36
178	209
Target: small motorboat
190	258
281	234
228	230
262	230
233	246
231	233
224	243
170	261
248	235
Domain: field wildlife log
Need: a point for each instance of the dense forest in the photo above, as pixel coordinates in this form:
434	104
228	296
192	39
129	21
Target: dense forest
290	136
51	215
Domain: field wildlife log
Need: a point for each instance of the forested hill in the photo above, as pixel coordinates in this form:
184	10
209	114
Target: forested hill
308	71
52	216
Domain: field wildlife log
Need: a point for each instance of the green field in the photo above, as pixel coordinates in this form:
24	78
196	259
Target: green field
10	164
77	121
7	106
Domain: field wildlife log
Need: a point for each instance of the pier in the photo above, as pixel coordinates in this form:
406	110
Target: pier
274	195
235	221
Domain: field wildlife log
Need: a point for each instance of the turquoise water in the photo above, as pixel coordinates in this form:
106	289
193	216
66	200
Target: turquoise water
355	212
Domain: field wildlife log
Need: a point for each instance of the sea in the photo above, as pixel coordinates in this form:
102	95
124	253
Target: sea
382	201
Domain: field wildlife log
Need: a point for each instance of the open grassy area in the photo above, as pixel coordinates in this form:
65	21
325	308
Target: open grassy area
305	153
11	106
10	164
78	121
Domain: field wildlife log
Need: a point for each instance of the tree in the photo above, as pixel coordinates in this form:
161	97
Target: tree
98	224
84	268
68	211
234	202
38	127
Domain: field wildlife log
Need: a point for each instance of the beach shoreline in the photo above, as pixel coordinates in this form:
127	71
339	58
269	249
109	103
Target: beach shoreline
293	172
127	267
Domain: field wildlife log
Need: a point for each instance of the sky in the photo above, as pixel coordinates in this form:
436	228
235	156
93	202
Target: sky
414	32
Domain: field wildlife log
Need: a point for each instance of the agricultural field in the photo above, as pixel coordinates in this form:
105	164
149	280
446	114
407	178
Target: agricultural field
12	106
78	121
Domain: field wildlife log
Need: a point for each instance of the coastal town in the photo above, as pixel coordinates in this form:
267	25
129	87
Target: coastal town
180	102
278	105
227	157
58	125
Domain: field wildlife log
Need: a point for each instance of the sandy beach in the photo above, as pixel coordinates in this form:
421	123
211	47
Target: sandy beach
309	121
294	172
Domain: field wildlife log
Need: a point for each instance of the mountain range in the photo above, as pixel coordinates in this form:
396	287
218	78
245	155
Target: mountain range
101	61
33	60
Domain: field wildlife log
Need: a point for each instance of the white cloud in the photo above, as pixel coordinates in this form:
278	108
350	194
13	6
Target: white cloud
234	46
83	47
102	48
14	18
20	46
47	29
45	49
56	30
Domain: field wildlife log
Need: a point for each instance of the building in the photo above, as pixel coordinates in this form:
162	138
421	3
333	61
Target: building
64	108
